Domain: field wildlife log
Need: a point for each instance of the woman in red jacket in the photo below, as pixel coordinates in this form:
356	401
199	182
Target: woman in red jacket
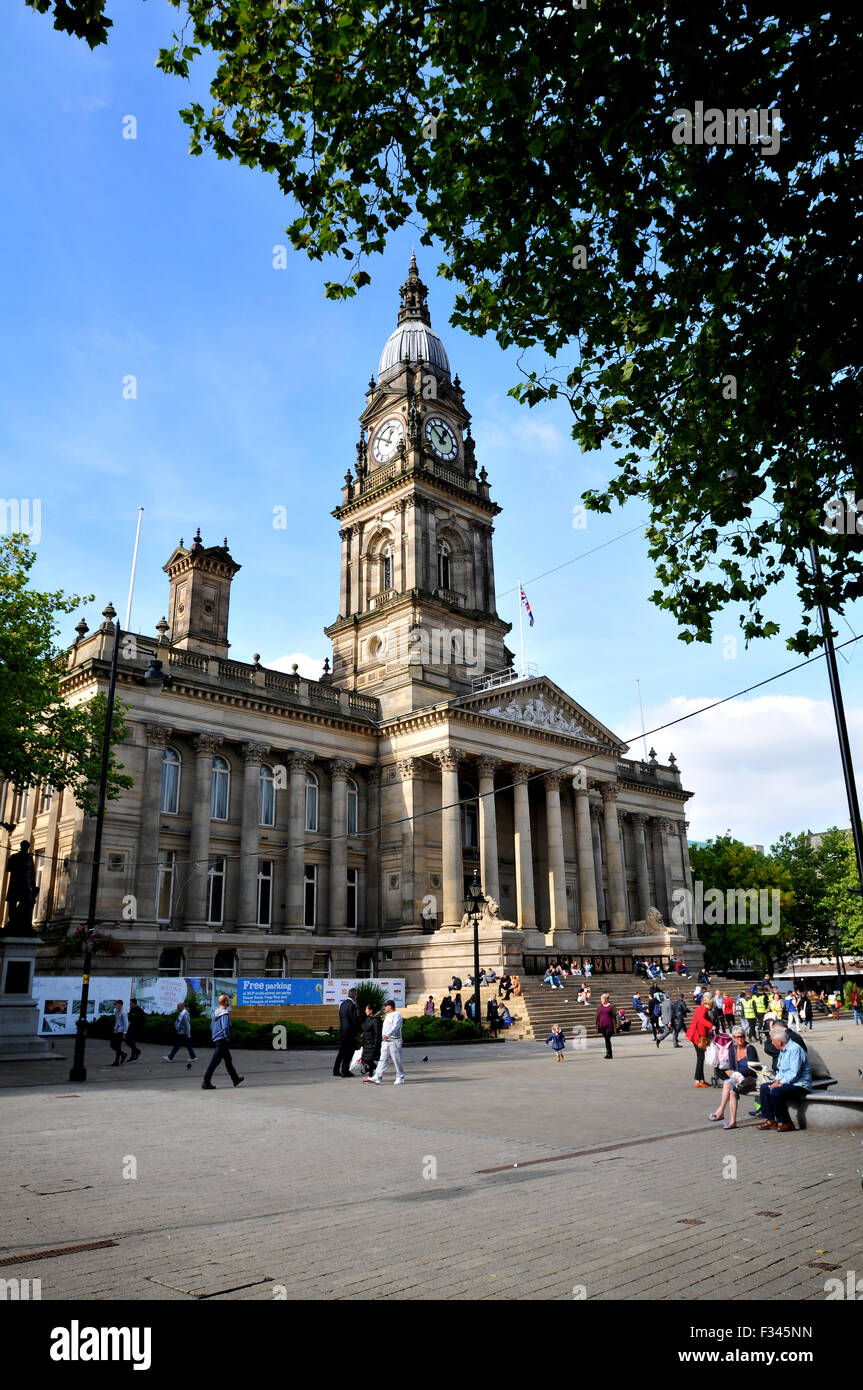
698	1034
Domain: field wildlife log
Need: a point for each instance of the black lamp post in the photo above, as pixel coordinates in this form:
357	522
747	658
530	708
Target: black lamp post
154	678
834	930
473	905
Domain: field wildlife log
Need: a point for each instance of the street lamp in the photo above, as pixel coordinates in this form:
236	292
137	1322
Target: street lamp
474	903
834	930
155	679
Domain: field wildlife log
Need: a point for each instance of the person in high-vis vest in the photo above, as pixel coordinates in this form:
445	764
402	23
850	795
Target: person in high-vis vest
749	1014
762	1004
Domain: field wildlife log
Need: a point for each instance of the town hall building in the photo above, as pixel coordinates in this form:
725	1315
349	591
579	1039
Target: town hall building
288	826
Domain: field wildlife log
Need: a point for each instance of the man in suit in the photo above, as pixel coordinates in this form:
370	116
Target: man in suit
348	1023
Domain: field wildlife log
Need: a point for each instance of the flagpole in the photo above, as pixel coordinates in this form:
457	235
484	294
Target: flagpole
521	627
128	624
641	707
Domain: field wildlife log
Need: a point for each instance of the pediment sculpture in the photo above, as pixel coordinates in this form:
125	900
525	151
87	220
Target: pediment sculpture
541	715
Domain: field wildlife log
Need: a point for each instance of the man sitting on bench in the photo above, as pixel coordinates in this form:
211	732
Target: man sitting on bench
793	1081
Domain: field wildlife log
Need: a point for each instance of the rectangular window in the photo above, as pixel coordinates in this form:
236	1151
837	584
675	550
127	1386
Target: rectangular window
353	884
215	891
165	885
311	881
265	892
47	798
25	804
267	809
40	869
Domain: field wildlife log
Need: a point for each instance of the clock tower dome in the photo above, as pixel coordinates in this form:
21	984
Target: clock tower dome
418	620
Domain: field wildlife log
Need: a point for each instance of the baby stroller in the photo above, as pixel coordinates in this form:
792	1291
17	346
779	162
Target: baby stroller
718	1055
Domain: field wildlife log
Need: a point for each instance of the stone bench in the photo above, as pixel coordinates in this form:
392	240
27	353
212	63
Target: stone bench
823	1110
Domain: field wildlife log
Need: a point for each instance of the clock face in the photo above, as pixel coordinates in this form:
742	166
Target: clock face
387	440
441	438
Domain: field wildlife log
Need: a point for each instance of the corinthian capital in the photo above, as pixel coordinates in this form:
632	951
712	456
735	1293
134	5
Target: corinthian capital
255	752
448	758
340	767
157	734
298	760
408	768
609	791
487	767
205	745
522	772
555	780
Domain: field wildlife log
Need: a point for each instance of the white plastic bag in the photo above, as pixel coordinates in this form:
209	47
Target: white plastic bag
356	1062
711	1055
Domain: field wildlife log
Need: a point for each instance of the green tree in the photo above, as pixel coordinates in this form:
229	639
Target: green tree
727	865
839	869
42	738
696	304
823	882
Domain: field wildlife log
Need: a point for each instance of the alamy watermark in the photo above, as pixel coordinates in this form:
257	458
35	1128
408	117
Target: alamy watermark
732	126
22	517
734	906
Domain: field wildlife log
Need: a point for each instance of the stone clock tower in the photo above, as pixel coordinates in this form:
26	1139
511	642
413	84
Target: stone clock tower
417	619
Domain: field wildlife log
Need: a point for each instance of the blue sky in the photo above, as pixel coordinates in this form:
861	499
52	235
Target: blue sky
132	258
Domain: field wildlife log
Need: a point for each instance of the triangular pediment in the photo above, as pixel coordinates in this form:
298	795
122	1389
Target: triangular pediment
538	703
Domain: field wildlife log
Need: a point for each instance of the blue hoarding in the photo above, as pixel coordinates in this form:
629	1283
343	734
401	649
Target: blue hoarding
279	993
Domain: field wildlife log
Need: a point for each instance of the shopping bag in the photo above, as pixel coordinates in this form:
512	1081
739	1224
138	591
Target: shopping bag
356	1062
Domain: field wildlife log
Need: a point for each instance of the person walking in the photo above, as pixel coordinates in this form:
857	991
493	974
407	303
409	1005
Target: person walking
121	1024
183	1030
804	1009
678	1016
856	1006
349	1021
220	1030
698	1034
135	1029
792	1018
793	1080
665	1014
557	1040
762	1004
607	1023
372	1039
391	1046
750	1016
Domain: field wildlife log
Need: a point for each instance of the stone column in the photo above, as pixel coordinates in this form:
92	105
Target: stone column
372	920
641	875
247	909
556	862
596	835
488	860
339	769
195	896
666	828
525	900
453	869
618	917
690	931
148	835
298	762
410	770
345	589
584	860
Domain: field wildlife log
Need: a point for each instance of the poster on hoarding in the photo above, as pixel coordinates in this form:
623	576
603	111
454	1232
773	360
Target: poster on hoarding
337	990
278	992
59	1000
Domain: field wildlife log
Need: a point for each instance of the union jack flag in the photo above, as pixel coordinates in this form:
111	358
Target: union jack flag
526	605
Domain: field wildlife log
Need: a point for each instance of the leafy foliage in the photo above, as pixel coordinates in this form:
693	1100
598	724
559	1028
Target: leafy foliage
369	993
86	19
43	739
726	863
696	305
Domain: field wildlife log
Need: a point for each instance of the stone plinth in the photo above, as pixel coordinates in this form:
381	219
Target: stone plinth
19	1012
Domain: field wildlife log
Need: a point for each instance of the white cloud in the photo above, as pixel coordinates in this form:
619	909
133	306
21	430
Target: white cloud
311	667
757	767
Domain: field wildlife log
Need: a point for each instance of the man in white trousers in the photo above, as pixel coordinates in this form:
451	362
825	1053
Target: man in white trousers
391	1046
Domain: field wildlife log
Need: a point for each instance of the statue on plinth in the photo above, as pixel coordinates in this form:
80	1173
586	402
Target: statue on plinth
21	894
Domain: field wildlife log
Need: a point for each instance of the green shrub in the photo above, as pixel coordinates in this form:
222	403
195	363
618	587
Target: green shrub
369	993
416	1031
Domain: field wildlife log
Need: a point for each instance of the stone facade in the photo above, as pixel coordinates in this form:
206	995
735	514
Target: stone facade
284	825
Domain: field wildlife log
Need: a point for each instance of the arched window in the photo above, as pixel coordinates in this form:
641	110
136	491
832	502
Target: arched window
386	568
220	795
443	566
353	807
170	802
267	809
311	801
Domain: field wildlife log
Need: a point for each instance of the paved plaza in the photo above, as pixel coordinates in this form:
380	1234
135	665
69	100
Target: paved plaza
494	1173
